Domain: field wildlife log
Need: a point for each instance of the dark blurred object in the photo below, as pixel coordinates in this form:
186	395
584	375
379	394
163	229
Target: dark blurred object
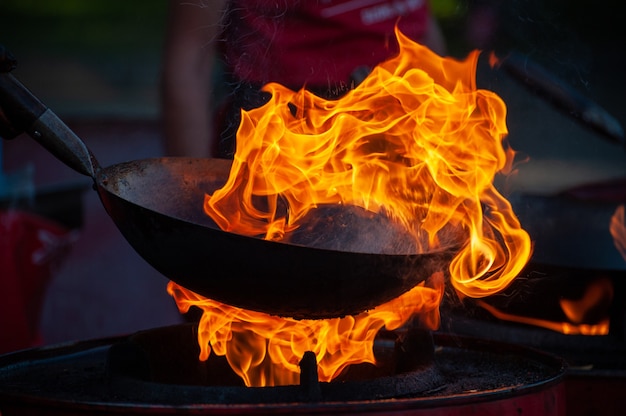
35	235
7	64
613	190
7	60
59	203
562	95
30	247
6	130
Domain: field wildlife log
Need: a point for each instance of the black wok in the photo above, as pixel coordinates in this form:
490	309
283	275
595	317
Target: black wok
157	206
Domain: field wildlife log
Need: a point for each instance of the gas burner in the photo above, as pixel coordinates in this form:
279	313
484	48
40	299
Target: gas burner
158	371
596	376
537	296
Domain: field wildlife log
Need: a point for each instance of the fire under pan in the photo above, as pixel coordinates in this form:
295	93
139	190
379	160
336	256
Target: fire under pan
129	375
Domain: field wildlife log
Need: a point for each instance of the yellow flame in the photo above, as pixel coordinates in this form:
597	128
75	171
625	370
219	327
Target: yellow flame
415	141
265	350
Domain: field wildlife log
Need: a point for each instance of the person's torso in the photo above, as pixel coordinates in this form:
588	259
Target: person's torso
317	43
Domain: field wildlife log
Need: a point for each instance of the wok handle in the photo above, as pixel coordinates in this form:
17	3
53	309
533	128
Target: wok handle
21	111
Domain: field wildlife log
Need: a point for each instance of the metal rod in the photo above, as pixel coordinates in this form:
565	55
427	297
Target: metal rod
309	381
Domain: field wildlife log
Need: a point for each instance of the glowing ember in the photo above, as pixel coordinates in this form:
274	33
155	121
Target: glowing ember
617	228
416	142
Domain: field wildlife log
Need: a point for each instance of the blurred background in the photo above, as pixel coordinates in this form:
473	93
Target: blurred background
102	58
96	63
88	58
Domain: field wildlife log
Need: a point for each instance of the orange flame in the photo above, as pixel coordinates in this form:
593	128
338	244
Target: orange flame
415	141
598	295
265	350
617	228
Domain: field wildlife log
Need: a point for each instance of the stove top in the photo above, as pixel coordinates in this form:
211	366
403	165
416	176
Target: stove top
158	370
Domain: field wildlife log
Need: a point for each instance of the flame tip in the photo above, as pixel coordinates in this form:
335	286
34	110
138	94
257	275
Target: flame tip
415	141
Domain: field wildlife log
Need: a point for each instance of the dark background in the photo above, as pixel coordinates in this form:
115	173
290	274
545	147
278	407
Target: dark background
88	58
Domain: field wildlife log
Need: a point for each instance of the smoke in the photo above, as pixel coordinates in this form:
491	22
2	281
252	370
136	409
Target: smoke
354	229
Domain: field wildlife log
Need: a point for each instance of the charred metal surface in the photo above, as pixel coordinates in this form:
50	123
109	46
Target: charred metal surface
169	357
83	373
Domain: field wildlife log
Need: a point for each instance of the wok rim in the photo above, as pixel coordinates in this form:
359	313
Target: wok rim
101	177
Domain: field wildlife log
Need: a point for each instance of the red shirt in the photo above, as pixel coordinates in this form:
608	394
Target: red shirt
318	43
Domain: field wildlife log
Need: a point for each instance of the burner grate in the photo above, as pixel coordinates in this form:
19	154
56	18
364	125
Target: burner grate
463	372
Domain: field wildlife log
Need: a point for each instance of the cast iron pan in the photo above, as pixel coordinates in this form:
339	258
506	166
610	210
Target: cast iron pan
157	206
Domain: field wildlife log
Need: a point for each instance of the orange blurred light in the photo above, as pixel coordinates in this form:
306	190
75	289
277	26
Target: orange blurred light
417	142
617	228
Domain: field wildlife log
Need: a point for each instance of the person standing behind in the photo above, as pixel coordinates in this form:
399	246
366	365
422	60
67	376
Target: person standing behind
320	45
